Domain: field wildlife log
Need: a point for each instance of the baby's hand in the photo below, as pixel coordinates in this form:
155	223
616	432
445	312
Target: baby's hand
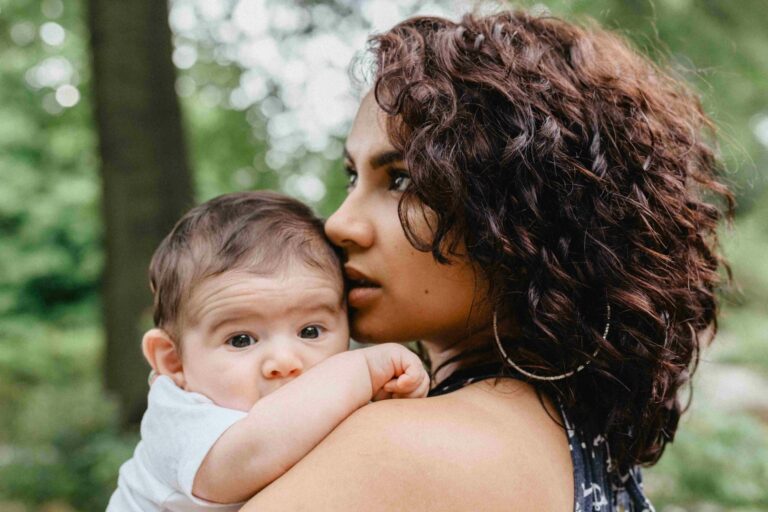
406	386
396	372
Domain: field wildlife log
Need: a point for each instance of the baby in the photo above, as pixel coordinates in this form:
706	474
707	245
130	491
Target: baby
248	296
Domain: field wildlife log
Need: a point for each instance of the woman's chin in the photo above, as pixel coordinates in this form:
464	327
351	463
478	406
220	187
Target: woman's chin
366	327
361	331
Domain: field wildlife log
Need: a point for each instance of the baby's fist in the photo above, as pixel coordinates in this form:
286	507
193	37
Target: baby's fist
396	372
409	385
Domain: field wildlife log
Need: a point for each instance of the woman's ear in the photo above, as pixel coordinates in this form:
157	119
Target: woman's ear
163	356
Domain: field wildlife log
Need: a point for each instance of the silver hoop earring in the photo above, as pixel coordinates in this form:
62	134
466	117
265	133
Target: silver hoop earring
552	377
152	376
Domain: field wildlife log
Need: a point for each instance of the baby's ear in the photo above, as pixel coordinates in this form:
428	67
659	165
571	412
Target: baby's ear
163	356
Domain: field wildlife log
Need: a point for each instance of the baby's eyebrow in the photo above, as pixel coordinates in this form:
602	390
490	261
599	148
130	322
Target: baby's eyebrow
240	315
224	321
329	307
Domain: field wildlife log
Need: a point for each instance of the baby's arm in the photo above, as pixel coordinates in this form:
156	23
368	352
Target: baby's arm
284	426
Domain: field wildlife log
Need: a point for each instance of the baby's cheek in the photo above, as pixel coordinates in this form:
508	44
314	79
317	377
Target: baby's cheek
234	386
238	396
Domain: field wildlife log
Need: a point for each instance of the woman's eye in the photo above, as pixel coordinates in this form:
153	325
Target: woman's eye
399	181
310	332
351	177
241	341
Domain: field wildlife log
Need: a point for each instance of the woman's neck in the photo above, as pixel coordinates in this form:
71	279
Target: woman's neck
446	358
438	355
475	347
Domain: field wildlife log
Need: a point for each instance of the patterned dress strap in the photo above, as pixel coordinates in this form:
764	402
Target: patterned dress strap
466	376
598	485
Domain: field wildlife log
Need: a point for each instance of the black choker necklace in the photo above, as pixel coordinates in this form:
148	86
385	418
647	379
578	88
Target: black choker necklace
465	376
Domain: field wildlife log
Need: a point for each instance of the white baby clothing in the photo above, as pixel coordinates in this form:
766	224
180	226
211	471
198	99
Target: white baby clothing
177	431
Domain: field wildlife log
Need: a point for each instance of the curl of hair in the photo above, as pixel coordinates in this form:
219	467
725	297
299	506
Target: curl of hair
576	173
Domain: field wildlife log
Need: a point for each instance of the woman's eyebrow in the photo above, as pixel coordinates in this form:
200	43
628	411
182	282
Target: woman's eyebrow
379	159
385	158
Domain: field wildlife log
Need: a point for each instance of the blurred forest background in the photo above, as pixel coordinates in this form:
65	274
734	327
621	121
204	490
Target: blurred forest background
115	116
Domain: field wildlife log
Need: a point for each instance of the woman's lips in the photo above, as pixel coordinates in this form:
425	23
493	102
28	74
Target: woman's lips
362	296
362	289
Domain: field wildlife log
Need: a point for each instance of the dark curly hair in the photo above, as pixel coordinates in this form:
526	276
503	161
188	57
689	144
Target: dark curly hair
577	174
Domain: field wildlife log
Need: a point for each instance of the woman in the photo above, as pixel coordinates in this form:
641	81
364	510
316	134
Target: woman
525	199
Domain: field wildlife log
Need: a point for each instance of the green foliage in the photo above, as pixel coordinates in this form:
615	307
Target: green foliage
744	320
60	436
744	338
744	247
48	203
59	441
718	461
74	463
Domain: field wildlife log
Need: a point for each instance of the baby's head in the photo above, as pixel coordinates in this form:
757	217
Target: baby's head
248	294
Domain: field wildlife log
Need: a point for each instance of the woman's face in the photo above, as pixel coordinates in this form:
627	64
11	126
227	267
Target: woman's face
396	293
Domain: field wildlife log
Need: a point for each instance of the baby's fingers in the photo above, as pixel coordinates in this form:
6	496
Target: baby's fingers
409	386
382	394
399	384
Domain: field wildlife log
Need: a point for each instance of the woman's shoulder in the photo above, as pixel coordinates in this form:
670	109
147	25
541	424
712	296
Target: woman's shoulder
482	447
483	417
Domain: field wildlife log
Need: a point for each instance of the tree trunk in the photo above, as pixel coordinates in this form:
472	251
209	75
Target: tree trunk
146	181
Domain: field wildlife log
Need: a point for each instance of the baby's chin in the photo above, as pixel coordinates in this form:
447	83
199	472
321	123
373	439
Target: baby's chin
245	404
238	404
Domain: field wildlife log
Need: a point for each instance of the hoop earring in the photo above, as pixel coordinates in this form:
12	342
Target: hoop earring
551	377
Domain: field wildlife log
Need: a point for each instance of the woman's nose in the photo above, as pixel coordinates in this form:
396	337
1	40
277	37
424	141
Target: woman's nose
348	226
282	363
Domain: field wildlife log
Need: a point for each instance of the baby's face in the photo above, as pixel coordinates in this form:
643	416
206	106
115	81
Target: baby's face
248	335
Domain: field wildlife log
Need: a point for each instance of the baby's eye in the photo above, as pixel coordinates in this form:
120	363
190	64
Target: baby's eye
241	341
398	180
310	332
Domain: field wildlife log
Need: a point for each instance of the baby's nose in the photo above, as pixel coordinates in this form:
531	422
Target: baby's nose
282	365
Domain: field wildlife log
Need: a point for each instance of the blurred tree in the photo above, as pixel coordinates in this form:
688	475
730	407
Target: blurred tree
146	181
49	257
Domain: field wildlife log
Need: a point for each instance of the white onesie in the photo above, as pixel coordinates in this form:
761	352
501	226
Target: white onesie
177	431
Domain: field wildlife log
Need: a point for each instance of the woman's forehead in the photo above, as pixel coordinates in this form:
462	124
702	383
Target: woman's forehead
369	130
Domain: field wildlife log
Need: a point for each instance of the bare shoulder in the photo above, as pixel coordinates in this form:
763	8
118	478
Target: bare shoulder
480	448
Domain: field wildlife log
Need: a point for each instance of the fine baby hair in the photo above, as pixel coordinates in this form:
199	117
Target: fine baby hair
258	231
